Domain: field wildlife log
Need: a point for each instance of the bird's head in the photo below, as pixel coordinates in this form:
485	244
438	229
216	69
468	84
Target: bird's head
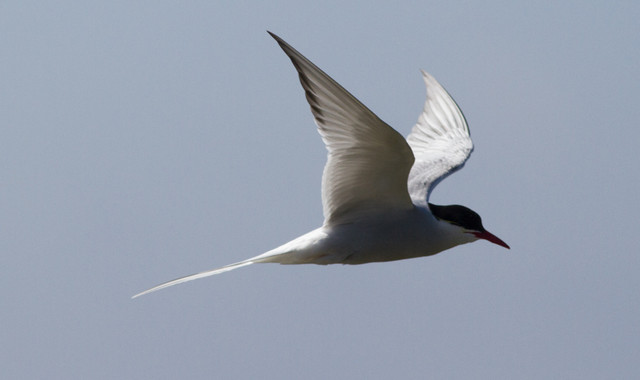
467	220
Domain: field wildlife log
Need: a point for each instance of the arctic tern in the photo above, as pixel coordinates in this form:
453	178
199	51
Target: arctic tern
376	184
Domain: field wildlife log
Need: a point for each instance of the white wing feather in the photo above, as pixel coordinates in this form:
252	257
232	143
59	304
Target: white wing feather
440	141
368	161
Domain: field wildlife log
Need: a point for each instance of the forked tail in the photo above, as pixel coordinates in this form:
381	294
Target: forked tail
302	250
196	276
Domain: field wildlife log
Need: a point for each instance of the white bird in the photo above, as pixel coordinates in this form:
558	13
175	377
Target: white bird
376	185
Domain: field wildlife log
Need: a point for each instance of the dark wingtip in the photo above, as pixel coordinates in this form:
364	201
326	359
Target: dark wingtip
275	36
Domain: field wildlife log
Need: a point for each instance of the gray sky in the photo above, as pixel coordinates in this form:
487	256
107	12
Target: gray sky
145	141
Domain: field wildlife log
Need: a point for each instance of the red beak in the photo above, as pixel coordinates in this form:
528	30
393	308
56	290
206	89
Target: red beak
486	235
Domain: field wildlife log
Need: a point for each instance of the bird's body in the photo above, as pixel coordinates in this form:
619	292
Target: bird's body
376	184
376	238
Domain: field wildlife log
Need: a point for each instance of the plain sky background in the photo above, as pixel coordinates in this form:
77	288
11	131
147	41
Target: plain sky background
143	141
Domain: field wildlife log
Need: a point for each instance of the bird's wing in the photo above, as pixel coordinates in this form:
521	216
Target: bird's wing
368	161
440	141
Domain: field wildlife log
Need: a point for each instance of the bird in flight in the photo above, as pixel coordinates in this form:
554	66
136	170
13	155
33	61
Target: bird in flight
376	184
